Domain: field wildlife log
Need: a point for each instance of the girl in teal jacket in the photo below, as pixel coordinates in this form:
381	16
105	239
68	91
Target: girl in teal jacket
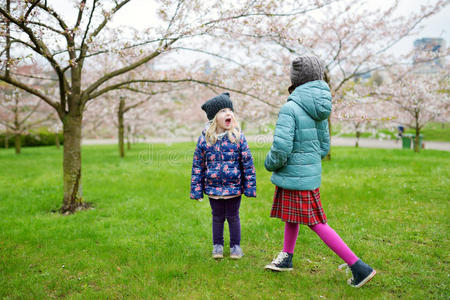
300	142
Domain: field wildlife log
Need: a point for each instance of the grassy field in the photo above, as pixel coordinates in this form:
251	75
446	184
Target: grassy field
431	132
146	240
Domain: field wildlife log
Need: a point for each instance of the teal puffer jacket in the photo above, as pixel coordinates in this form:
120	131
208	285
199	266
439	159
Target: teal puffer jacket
301	138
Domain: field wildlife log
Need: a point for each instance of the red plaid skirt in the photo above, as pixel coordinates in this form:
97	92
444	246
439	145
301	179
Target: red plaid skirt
303	207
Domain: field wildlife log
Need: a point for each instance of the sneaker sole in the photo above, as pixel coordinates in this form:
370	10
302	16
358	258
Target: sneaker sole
366	280
275	268
235	257
218	256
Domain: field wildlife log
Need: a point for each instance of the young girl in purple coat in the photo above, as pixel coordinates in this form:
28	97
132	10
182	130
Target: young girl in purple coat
223	169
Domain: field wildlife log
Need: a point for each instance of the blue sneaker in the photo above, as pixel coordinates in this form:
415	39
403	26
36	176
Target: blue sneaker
217	251
362	273
236	252
282	263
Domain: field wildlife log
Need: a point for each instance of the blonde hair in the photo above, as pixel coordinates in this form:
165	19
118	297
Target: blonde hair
234	134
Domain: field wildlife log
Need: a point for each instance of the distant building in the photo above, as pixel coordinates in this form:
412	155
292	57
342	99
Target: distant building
428	54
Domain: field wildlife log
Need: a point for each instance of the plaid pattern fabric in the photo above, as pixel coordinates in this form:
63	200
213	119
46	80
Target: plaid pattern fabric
303	207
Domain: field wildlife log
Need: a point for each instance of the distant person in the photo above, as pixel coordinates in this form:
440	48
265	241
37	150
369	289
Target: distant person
223	169
400	131
301	140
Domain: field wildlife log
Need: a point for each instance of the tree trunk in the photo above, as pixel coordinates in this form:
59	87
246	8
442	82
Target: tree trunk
120	114
6	140
128	137
57	140
73	200
358	134
17	143
416	140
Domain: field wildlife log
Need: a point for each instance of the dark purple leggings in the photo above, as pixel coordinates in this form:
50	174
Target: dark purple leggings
222	209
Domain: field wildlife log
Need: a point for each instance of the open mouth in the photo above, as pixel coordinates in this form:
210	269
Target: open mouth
228	121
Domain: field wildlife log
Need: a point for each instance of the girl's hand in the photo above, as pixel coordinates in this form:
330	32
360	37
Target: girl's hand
199	200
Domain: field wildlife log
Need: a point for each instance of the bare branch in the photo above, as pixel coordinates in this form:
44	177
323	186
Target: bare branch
49	117
42	49
80	13
210	53
118	6
30	90
7	125
266	14
14	40
83	45
47	26
205	83
34	77
174	15
52	12
31	8
146	93
8	40
30	113
86	95
415	24
135	105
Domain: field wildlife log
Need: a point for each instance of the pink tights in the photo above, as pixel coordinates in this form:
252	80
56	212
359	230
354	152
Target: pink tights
328	236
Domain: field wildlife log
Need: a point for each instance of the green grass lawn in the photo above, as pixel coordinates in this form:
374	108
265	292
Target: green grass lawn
146	240
431	132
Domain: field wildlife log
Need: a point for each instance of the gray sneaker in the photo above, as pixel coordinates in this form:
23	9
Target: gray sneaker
217	251
236	252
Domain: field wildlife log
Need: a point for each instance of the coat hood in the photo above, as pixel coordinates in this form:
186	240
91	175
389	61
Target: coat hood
315	98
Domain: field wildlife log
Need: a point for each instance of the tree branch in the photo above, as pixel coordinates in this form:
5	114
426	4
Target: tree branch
30	9
52	12
174	15
80	13
135	105
7	125
266	14
83	45
30	113
205	83
210	53
47	26
86	95
42	49
106	19
47	118
30	90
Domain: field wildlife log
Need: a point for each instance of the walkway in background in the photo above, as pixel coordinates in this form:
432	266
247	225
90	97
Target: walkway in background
263	139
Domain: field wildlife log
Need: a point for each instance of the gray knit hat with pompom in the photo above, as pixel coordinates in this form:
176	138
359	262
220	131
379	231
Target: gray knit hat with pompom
306	68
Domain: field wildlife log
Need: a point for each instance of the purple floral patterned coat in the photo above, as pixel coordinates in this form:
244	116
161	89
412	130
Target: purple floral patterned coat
223	169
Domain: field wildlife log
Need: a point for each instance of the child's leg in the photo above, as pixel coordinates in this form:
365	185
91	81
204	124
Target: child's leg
234	222
334	242
218	219
290	237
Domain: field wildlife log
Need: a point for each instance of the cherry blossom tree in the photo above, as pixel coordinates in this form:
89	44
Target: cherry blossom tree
418	98
362	111
21	112
349	37
67	46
